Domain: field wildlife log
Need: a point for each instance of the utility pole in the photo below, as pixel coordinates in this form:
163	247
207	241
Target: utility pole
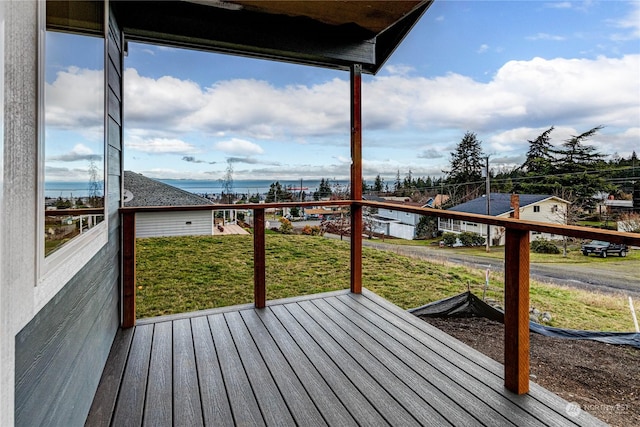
488	195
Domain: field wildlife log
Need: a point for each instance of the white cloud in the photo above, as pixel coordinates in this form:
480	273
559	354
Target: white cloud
399	69
79	152
559	5
545	36
631	23
74	101
159	145
483	48
239	147
165	100
537	93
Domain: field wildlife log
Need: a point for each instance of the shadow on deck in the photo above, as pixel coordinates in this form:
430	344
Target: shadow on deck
328	359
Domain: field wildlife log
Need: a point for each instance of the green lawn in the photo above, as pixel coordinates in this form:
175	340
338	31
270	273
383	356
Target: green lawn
180	274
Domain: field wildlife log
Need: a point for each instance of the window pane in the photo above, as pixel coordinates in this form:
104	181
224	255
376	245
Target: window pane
73	136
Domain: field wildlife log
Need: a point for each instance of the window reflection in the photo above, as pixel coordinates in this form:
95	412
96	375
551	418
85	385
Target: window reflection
73	136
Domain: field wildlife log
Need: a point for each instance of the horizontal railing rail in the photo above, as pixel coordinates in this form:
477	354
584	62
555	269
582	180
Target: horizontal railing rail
76	211
516	273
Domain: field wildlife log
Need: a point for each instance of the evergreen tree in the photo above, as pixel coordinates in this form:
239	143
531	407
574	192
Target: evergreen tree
277	194
324	190
539	158
466	164
398	184
378	184
574	156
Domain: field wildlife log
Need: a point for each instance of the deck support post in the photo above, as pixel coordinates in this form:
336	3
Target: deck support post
128	269
516	316
356	178
259	277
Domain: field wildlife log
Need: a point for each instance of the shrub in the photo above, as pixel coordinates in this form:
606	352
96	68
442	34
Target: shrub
449	239
285	226
544	246
314	230
469	238
477	239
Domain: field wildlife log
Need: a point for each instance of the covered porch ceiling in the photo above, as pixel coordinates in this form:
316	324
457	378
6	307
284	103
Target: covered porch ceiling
327	33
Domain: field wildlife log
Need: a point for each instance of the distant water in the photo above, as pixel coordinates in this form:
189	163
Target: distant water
244	186
211	187
201	186
65	190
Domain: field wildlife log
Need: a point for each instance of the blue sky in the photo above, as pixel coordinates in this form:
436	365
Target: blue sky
506	70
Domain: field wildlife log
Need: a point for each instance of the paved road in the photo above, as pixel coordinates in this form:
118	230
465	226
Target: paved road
574	275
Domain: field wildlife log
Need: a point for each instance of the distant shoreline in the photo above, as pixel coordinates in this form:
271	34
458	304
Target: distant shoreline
55	189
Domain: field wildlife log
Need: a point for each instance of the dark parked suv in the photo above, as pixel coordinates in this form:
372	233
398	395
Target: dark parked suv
603	249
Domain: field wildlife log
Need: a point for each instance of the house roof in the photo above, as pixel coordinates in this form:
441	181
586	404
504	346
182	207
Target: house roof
500	203
325	33
142	191
436	201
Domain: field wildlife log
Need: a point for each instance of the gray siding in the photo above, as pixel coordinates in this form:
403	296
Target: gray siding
61	352
150	224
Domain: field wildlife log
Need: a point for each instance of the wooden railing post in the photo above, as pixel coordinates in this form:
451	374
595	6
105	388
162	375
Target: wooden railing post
128	269
516	315
356	179
259	277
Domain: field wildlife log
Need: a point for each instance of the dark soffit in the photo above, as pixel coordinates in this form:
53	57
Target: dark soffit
333	34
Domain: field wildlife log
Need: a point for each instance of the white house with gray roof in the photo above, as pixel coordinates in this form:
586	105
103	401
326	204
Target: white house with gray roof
142	191
532	207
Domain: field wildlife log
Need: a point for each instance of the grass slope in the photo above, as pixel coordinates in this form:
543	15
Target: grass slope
181	274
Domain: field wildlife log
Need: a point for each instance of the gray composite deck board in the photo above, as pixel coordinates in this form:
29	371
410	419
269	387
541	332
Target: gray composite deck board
216	411
483	402
332	359
357	404
158	408
130	404
319	391
187	407
300	404
438	393
243	402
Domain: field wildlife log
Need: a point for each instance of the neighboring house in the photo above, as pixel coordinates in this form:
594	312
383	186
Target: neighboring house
436	201
394	223
142	191
617	207
532	207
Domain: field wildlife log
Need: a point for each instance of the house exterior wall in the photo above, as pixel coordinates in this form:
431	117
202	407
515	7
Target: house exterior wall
551	211
52	351
61	352
402	231
403	217
19	187
156	224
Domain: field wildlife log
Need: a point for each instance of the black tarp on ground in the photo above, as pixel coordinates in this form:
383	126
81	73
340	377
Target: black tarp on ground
469	305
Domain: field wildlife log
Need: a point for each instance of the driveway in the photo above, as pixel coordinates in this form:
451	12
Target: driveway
623	277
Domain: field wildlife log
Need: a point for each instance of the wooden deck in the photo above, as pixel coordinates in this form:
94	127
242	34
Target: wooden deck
331	359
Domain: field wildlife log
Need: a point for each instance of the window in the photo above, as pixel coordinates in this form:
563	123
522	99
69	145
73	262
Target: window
72	133
554	208
536	209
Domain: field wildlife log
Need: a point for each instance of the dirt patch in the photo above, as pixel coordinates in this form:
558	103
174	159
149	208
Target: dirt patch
603	379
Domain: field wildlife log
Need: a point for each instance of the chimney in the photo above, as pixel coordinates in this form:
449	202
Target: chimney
515	205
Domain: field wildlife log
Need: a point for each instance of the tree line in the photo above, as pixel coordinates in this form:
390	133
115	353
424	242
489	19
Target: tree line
571	169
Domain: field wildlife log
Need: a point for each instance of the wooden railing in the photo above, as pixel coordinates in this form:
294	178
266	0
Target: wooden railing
516	339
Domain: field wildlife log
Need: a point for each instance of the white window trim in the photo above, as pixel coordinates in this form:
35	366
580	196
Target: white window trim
54	271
